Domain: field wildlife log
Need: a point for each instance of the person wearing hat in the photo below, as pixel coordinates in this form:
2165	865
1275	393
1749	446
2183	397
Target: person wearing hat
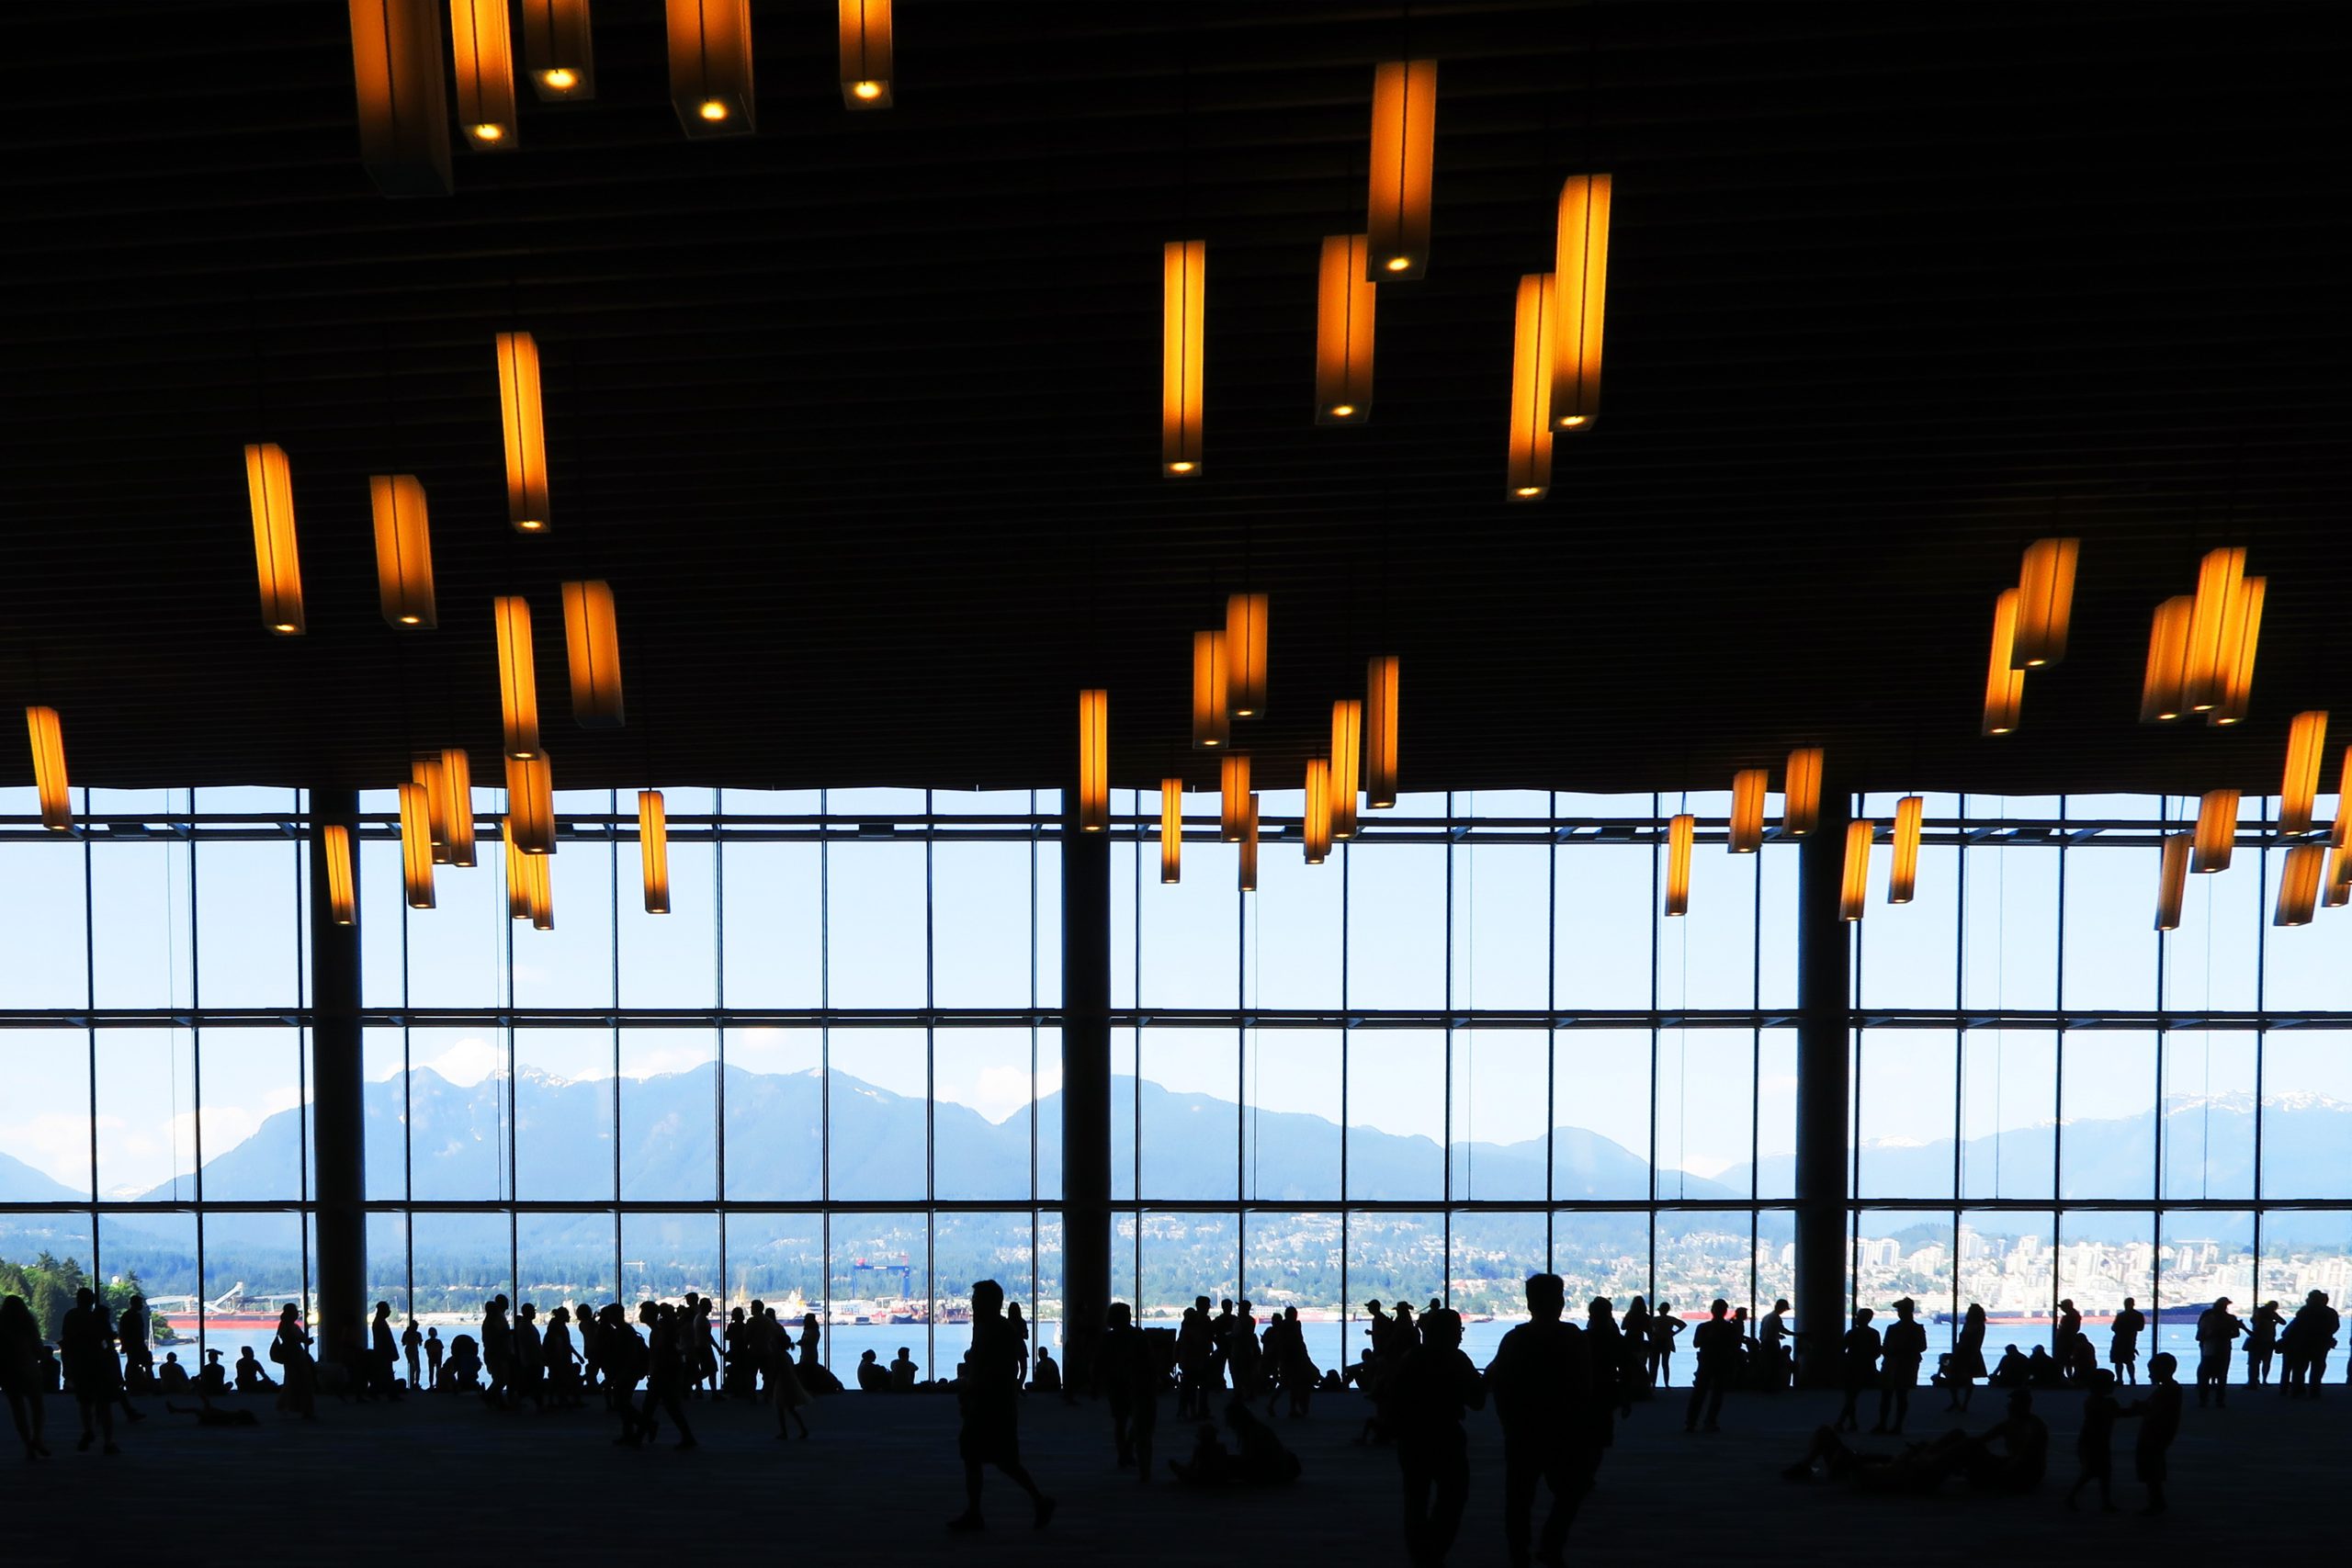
2217	1329
1903	1349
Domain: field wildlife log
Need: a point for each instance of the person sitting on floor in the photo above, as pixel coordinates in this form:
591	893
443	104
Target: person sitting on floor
902	1371
213	1379
872	1376
1262	1459
1210	1464
251	1379
2009	1457
171	1377
1045	1374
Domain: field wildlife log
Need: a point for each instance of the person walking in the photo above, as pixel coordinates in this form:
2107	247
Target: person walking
2123	1342
1967	1359
1903	1349
1424	1402
1553	1404
1858	1368
1718	1343
987	1390
2217	1329
20	1374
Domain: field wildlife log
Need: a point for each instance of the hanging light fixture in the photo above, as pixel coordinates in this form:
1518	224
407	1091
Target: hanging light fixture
1404	126
1245	654
538	882
2341	833
653	844
530	805
710	66
1530	474
342	897
518	683
1854	892
425	772
1171	830
403	552
2299	790
56	795
2046	603
1579	298
593	637
1347	764
1212	720
1747	787
1233	798
2220	589
2299	880
527	442
1678	834
1184	284
865	53
2003	683
2217	831
1093	760
269	485
1800	793
403	112
416	845
1317	829
1249	846
1380	732
519	876
485	61
2172	880
2164	689
558	49
2339	877
2243	631
458	785
1343	318
1902	872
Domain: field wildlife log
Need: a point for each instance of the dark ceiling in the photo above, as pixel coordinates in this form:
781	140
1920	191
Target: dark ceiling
859	416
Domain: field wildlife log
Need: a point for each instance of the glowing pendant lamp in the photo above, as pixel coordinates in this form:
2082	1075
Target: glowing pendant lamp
2339	877
1249	876
269	485
2341	834
518	685
1346	765
47	737
1380	732
1171	830
1211	718
2046	603
518	878
485	61
1678	834
403	112
710	66
403	552
457	814
416	845
1245	654
1800	793
425	772
865	53
527	442
1182	286
1854	892
2164	689
653	843
1902	873
1579	296
1747	788
530	805
538	884
1093	760
2217	831
558	49
2004	682
2221	587
1343	318
342	897
1317	826
2298	879
1233	798
2299	790
1529	477
592	637
2240	634
2172	880
1404	126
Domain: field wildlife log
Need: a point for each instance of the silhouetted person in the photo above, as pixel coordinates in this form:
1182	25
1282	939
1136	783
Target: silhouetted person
1635	1332
665	1371
138	1356
872	1376
384	1358
1664	1327
625	1363
497	1352
1773	1337
1208	1464
786	1391
815	1376
1553	1386
212	1378
2095	1443
171	1377
1121	1372
1259	1458
1717	1343
1045	1372
297	1393
988	1393
2304	1344
1967	1362
1904	1347
20	1374
463	1372
1605	1352
2123	1341
530	1357
251	1378
2217	1329
433	1352
902	1371
2009	1458
2041	1370
413	1347
1857	1367
2159	1416
1195	1353
1019	1327
561	1360
2014	1370
1423	1403
2065	1338
2262	1342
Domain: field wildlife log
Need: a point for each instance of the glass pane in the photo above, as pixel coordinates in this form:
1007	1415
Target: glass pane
774	1115
874	1093
2111	945
1290	1131
1186	1256
1776	1114
1486	1270
1705	1107
251	1081
664	1256
571	966
1293	1260
383	920
1603	926
771	934
1902	1253
880	1277
1292	947
458	1116
980	918
980	1120
2006	1267
44	960
2007	1107
777	1260
1703	1254
146	1113
563	1114
1500	1094
668	961
1909	953
457	949
562	1260
1601	1253
2208	1135
462	1261
383	1070
1397	901
45	1120
1601	1107
2009	927
2306	1085
1905	1111
1395	1115
1189	1122
1191	931
1707	958
142	940
669	1115
2107	1139
253	1266
1502	946
2214	959
1396	1257
877	926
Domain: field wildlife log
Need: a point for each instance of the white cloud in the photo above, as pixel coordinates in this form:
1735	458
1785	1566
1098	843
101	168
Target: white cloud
56	1145
468	1061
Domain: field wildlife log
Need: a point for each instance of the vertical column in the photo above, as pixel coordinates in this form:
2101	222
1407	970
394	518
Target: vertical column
1824	1027
338	1120
1086	1090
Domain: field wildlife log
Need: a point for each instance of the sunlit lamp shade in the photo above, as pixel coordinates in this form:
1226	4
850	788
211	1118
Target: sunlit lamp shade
518	875
2341	834
2046	603
2241	635
710	66
865	53
403	552
2164	689
1854	891
2339	877
1747	789
1245	654
1343	317
269	485
416	845
484	56
2306	753
518	682
1903	869
559	51
1346	765
2221	599
1233	798
425	772
2172	880
1212	720
654	846
1404	127
457	814
1678	837
1171	830
2299	880
1380	731
1530	476
404	108
1249	846
2217	831
1093	760
1579	296
2004	682
527	442
1184	266
1316	829
343	895
1800	793
47	737
538	885
530	805
592	638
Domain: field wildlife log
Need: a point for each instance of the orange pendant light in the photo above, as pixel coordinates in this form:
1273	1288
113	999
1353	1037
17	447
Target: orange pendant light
1343	318
403	552
403	108
1530	474
269	486
1854	892
559	52
2221	588
2172	880
1248	877
653	845
1171	830
1800	793
2217	831
1747	790
1245	654
710	66
343	895
2299	882
484	56
1679	834
1316	829
457	784
1380	732
425	772
1346	765
1404	127
2046	603
1093	760
530	805
2341	834
538	881
56	795
2306	752
1579	298
592	638
519	876
2242	632
526	441
1211	718
1233	798
518	682
865	53
2164	688
2003	683
416	845
2339	877
1184	283
1902	872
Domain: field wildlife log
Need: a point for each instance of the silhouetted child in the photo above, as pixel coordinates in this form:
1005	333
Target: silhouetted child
2094	1445
1209	1465
2159	1416
433	1357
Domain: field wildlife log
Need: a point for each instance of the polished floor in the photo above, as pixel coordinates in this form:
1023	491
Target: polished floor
444	1480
